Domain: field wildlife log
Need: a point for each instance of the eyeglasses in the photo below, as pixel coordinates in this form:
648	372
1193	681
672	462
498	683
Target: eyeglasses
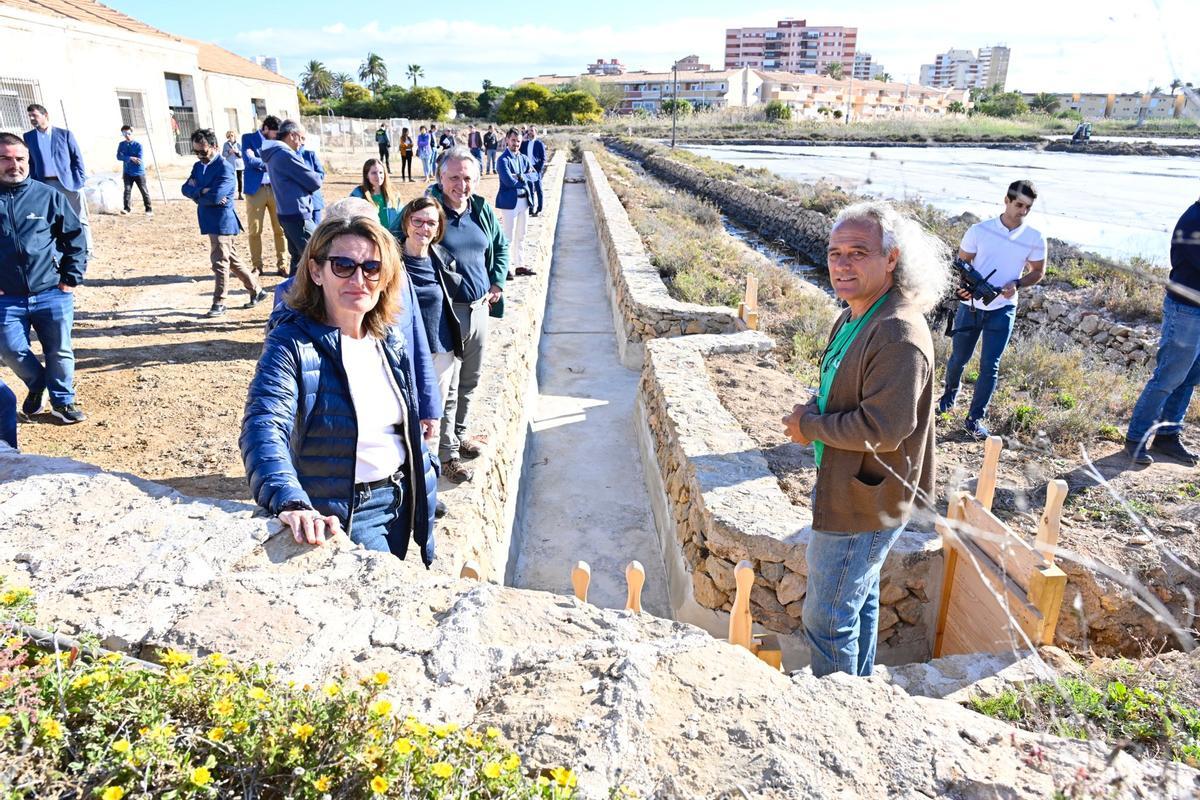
344	267
417	222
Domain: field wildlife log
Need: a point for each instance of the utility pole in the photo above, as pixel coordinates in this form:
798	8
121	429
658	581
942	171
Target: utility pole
674	100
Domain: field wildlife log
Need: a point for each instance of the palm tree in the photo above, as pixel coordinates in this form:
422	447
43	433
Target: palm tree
373	72
835	70
1044	102
340	79
956	107
886	77
1175	84
414	71
316	81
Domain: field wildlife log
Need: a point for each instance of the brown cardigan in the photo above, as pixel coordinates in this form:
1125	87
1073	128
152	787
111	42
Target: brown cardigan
881	400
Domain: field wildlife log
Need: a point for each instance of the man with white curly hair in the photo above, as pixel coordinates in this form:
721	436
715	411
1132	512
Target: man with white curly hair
871	425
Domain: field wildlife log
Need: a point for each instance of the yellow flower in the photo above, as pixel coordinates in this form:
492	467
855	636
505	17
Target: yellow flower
442	731
258	693
380	708
5	721
217	660
302	732
372	752
174	658
82	682
111	658
113	793
223	707
52	728
162	732
543	780
322	783
379	784
564	777
216	734
294	753
511	763
14	642
492	770
403	746
100	676
382	678
228	678
331	690
419	729
493	733
442	770
120	746
375	734
473	742
14	596
179	678
240	727
201	776
430	752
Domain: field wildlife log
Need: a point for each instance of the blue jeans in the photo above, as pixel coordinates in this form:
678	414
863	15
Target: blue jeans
1165	399
426	156
478	153
491	160
8	415
969	324
297	230
51	314
380	516
841	608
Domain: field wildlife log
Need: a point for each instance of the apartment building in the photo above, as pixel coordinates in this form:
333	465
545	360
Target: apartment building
792	45
1097	105
964	69
692	64
866	68
645	91
814	96
602	67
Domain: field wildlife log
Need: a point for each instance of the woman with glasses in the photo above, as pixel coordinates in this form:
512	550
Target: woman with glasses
376	188
333	437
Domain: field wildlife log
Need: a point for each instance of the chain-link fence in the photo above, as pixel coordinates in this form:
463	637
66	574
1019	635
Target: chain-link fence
345	142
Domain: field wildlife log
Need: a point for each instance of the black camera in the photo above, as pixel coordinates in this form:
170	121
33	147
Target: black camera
977	284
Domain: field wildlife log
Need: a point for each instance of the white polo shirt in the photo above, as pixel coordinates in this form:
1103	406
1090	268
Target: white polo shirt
997	248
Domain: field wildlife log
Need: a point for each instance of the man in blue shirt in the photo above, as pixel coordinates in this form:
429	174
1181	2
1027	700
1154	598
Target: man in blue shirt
55	160
133	169
1164	402
42	260
260	200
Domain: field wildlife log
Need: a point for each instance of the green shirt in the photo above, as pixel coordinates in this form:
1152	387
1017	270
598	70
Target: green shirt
832	359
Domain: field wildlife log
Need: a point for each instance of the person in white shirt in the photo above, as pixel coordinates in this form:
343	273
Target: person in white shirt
1011	255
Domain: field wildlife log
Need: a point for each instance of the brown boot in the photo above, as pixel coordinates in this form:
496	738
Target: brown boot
454	471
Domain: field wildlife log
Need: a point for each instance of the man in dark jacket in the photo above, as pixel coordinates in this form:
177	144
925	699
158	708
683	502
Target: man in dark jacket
294	182
475	239
133	169
212	187
385	146
42	260
260	200
55	160
533	149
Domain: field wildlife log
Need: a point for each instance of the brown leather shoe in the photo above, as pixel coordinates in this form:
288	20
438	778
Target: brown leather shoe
472	446
454	471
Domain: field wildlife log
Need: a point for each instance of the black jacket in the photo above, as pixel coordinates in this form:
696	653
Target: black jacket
42	243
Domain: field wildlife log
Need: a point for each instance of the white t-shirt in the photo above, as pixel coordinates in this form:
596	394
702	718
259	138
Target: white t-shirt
377	404
997	248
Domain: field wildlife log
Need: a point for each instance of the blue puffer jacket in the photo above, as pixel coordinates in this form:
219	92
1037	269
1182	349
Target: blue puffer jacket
300	431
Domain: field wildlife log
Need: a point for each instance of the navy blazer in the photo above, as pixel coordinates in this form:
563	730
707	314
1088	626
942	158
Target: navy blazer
217	178
511	169
538	156
256	169
65	155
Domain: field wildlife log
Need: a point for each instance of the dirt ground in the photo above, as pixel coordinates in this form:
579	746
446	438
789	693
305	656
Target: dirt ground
162	386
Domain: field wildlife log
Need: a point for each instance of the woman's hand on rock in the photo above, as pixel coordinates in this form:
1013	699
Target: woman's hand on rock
311	526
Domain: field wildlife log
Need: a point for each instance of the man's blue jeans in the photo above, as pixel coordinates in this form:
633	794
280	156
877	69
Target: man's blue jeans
51	314
995	327
381	517
1164	401
841	608
297	230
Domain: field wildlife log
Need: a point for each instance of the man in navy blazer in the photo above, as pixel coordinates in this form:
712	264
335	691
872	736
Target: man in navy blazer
260	200
55	160
212	187
533	149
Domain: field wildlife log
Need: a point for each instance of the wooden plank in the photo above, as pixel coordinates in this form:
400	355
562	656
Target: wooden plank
986	608
1046	589
950	554
740	621
1051	521
985	487
1007	551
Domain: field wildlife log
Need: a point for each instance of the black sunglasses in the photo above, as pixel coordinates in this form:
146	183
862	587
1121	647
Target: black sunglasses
344	267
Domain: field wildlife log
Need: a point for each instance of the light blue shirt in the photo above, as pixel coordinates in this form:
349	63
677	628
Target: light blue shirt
43	140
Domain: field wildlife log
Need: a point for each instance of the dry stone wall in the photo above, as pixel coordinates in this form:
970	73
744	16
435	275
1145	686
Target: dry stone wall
1051	315
642	307
717	502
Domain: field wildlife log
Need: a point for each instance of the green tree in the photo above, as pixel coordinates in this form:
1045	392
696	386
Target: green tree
487	84
835	70
778	111
1004	104
340	79
353	93
489	99
373	72
466	104
523	104
608	95
886	77
956	107
679	107
427	102
414	71
1044	102
571	108
316	81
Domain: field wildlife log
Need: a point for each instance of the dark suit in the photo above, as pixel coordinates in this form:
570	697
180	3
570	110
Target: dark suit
537	156
66	164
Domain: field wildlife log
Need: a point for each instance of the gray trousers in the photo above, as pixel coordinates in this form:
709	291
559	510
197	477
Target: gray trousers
473	319
225	259
78	204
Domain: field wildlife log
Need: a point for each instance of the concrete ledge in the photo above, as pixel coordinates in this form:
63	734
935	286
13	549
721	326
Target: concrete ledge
642	307
717	502
479	524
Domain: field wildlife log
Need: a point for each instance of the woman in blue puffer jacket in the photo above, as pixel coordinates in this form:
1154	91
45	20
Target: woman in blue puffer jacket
332	437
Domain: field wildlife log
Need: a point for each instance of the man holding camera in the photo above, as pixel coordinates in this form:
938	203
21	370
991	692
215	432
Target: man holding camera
999	250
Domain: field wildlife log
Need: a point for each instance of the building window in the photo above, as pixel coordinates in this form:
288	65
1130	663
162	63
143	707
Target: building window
133	113
231	119
15	96
260	108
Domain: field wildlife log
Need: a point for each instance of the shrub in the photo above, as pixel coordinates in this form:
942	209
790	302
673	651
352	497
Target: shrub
778	111
678	107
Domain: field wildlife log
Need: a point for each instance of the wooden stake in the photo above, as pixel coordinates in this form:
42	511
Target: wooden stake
581	576
1051	521
748	308
740	621
469	570
985	487
635	578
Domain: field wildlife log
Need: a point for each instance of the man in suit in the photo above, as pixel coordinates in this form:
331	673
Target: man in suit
533	149
259	198
55	160
212	187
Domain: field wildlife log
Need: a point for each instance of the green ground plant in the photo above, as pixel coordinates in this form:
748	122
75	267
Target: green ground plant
207	727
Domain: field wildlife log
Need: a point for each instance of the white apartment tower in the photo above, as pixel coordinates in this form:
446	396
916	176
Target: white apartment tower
962	69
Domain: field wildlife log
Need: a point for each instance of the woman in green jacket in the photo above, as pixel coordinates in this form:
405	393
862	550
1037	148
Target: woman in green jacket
376	188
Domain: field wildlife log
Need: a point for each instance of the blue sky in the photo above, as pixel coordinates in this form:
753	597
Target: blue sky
1072	45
